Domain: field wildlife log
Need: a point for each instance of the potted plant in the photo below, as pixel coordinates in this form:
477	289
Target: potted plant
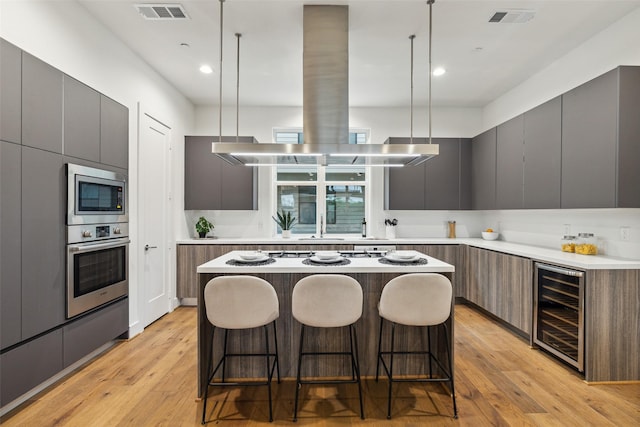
203	226
285	221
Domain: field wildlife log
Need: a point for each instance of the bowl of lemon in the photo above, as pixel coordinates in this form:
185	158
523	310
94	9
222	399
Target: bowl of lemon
489	234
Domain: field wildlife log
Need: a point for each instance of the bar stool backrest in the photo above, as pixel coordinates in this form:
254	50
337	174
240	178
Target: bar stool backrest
419	299
240	302
327	300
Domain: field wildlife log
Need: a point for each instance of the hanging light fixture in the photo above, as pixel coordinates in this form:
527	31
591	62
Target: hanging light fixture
234	140
428	140
326	108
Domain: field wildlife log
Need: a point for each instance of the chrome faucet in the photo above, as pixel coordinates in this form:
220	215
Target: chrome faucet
321	226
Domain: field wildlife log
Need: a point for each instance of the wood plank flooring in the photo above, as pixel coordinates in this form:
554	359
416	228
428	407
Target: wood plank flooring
151	381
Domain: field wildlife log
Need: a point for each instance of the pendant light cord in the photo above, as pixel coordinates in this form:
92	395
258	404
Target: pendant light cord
220	84
411	37
430	3
238	35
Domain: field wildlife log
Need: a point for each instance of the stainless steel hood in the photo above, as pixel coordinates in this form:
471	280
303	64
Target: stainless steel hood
325	108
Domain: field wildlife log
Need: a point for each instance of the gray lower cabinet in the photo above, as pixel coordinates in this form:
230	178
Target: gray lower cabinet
501	284
89	333
11	241
210	183
483	170
543	156
81	120
600	150
114	133
30	364
11	90
440	183
509	163
41	105
43	241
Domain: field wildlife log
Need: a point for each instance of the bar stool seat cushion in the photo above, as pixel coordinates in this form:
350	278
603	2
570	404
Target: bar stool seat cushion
327	300
240	302
403	299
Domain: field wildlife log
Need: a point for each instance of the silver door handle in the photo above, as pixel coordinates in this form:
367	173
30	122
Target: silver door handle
147	247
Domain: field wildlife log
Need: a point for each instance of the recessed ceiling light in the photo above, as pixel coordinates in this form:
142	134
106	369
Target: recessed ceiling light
206	69
439	71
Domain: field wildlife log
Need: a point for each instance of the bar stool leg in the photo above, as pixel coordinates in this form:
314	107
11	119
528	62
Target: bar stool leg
379	350
224	358
209	367
275	340
269	371
298	384
356	366
393	336
429	350
453	392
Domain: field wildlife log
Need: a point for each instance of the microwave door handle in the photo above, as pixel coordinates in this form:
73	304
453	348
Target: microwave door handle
88	248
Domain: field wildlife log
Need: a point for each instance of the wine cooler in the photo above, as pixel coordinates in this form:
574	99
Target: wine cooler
558	322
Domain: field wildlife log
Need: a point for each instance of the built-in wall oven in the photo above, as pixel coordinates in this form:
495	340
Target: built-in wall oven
97	238
558	323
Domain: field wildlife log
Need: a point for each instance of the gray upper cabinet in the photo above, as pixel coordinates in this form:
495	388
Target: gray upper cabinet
628	172
43	241
405	188
41	105
542	155
483	170
210	183
437	184
114	133
81	120
600	131
10	219
509	164
11	90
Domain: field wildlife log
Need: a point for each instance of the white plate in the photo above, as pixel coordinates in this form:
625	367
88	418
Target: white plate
262	258
326	260
402	255
329	255
394	258
251	256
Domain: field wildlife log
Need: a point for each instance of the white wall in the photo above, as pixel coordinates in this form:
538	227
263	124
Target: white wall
67	37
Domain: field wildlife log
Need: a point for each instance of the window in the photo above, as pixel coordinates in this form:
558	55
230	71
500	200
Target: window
334	195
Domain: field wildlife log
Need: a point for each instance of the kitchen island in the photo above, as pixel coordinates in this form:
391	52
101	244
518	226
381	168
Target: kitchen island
283	271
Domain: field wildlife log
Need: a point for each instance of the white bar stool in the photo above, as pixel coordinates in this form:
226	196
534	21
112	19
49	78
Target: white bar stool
419	299
241	302
328	301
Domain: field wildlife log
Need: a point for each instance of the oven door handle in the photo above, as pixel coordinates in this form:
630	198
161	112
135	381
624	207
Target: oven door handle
93	247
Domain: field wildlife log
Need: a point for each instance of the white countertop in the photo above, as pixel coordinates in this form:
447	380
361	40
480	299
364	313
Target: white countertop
550	255
295	265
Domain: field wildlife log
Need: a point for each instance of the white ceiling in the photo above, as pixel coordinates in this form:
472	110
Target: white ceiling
483	60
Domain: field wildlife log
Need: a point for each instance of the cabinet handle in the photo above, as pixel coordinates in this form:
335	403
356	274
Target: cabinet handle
147	247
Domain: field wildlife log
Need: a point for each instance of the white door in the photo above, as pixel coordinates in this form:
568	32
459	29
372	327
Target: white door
153	179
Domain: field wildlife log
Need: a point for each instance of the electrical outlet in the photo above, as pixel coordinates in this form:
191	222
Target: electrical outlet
624	233
567	229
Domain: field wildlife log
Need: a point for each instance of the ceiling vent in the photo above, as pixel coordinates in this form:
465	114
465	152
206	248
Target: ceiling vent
512	16
159	11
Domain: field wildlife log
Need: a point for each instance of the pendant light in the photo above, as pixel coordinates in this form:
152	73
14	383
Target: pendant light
424	141
236	141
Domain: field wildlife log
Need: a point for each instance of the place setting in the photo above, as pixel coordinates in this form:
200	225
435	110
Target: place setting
402	258
326	258
250	258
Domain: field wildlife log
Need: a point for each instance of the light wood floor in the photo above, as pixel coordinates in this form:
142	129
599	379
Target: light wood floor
151	381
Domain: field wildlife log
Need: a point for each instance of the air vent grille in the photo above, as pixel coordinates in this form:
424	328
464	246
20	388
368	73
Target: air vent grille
512	16
161	11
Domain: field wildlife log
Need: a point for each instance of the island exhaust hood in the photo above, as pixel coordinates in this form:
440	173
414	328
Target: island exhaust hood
325	108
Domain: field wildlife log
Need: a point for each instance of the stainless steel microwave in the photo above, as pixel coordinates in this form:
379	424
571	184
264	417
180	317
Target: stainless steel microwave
95	196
